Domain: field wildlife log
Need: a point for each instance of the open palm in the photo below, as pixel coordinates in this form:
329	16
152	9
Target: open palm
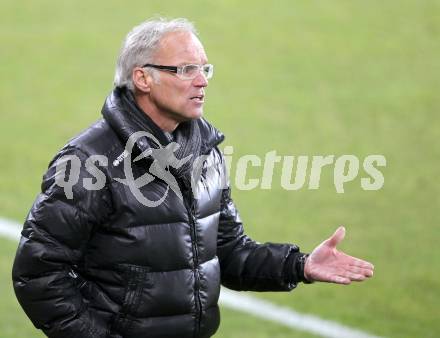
327	264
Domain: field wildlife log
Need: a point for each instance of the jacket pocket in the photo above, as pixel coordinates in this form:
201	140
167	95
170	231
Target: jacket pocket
137	279
81	284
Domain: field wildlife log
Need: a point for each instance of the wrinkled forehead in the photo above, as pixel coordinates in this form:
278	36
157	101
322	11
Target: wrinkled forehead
177	48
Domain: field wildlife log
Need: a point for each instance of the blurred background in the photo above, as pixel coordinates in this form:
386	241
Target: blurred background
299	77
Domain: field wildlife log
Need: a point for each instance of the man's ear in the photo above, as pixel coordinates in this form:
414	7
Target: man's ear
142	80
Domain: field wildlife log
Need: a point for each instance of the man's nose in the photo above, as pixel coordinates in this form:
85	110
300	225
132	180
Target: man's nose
200	80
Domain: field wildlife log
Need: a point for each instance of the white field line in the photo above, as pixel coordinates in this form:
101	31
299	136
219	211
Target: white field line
251	305
288	317
10	229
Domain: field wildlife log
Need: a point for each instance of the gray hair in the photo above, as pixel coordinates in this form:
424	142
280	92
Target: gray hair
141	43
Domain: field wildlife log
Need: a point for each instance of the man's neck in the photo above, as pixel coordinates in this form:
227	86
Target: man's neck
161	120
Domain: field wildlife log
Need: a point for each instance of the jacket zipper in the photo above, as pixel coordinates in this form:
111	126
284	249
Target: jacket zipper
190	210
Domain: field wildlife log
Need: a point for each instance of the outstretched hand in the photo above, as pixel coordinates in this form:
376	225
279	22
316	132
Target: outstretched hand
327	264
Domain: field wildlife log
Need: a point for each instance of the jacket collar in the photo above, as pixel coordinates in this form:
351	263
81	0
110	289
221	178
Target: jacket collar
125	122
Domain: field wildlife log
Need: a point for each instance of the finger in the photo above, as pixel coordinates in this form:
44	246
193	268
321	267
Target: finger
368	273
337	237
339	280
350	260
354	276
361	263
337	275
360	271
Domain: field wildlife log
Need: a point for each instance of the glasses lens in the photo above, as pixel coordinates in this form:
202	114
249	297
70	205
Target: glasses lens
208	71
190	71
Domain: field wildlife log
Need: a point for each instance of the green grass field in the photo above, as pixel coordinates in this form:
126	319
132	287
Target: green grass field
301	78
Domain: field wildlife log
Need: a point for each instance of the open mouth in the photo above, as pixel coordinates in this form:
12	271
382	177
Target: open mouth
198	98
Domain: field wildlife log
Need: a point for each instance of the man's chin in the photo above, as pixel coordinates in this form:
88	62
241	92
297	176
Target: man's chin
195	114
188	115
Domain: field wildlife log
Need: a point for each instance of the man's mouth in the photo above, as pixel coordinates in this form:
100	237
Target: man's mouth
198	98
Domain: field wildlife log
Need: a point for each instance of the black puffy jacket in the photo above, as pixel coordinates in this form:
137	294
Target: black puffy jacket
101	264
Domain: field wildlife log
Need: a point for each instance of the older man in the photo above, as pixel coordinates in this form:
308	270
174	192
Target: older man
141	248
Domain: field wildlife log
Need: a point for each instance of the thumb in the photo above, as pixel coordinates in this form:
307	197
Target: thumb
337	237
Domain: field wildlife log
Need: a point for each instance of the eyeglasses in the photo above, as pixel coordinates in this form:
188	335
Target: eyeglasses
186	72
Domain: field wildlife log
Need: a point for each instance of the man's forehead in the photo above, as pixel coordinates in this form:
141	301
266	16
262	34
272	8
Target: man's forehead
180	47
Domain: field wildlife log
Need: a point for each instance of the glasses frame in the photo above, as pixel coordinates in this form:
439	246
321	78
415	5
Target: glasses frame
179	70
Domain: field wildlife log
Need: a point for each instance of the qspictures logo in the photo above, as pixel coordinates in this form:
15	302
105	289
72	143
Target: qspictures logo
346	168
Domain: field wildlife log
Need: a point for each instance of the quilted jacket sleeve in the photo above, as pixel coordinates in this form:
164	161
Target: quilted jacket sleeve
53	242
248	265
